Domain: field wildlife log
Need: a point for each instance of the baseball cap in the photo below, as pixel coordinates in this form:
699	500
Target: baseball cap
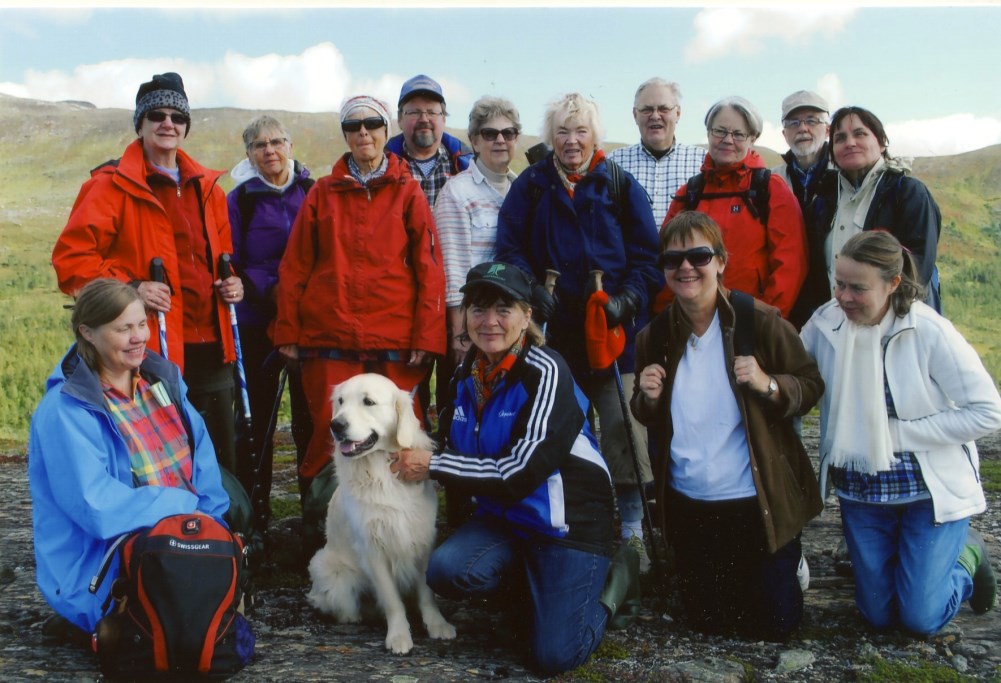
804	99
511	280
420	85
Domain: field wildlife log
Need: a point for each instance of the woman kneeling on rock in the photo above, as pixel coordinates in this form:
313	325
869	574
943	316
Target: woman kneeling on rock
906	397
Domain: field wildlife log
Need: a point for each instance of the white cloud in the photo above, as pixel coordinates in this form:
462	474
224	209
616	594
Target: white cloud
953	134
722	31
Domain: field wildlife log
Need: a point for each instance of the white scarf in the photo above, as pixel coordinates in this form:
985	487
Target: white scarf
858	431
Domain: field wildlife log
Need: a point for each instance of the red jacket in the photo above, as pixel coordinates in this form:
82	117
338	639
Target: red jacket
767	262
117	226
362	270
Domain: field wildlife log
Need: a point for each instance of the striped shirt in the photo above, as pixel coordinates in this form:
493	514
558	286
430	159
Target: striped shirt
661	178
154	434
466	218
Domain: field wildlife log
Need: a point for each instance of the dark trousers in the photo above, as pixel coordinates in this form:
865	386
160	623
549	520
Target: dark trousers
262	386
211	392
727	578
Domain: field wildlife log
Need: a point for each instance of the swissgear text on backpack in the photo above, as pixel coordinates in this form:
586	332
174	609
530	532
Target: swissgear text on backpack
178	596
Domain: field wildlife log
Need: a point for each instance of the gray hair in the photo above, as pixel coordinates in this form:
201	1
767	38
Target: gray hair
262	123
742	107
486	108
659	82
570	106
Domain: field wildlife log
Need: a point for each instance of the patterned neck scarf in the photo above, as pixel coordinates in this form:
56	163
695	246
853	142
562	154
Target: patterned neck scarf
366	178
571	176
486	375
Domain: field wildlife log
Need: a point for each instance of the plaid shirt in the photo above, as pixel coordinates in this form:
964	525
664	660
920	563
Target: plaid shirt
154	434
661	178
902	483
431	183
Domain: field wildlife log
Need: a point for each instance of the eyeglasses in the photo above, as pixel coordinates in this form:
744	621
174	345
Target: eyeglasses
490	134
177	118
417	113
370	123
662	109
721	133
262	145
812	121
697	257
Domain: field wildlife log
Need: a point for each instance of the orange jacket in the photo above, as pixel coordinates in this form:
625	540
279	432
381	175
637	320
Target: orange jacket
117	226
362	270
767	262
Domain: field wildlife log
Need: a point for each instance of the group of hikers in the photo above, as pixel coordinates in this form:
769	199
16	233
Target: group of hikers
603	330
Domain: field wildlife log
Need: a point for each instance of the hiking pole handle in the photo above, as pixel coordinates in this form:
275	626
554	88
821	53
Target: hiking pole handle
225	266
158	274
596	276
550	285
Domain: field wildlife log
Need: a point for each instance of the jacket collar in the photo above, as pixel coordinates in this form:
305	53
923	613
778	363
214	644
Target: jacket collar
81	382
130	171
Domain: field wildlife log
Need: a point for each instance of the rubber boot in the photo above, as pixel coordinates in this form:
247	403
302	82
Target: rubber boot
621	594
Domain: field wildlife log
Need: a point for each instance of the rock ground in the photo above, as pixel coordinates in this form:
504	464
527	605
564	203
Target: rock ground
296	644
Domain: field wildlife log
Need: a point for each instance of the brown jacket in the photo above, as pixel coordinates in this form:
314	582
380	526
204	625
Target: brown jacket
788	494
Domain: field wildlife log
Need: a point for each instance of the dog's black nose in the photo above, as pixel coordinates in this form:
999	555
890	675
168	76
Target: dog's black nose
337	428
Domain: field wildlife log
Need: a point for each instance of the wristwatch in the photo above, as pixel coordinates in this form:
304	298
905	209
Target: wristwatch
773	386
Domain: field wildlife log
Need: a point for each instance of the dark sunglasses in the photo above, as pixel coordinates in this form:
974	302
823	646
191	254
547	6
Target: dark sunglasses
370	123
176	118
490	134
697	257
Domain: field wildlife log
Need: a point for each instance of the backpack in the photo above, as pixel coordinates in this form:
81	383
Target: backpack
178	596
756	196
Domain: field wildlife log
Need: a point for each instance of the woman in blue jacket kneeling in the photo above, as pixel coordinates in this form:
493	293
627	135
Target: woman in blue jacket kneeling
518	441
115	446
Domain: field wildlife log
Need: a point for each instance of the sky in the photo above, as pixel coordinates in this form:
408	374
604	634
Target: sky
928	72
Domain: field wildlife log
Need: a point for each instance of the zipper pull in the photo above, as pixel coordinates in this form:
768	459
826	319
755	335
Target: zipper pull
178	191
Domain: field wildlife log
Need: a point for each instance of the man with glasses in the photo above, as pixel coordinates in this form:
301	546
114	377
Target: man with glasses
659	162
805	128
433	155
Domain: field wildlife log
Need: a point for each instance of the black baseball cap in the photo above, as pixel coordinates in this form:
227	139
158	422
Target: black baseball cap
511	280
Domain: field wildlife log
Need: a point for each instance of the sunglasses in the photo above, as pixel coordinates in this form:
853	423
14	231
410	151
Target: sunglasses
370	123
697	257
490	134
176	118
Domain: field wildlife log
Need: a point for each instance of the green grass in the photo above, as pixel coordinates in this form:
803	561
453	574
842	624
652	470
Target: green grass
912	672
990	475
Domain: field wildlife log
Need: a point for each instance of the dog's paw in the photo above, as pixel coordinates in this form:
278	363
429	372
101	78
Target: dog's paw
399	643
441	630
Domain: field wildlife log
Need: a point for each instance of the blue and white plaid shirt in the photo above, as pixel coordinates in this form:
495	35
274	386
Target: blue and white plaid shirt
662	177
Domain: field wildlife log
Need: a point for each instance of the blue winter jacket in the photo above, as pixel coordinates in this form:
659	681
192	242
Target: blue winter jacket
529	458
540	226
259	243
82	492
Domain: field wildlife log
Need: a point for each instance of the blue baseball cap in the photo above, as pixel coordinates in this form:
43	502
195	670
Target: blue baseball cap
420	85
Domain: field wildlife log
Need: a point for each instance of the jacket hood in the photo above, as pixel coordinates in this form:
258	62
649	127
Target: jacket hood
77	379
245	171
900	164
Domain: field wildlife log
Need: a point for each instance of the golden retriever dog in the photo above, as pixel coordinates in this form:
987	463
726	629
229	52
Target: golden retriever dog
380	531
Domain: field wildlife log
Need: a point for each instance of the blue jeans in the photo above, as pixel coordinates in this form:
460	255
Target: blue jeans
554	586
905	565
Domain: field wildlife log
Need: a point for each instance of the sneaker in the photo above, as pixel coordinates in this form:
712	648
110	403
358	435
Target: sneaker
803	573
639	546
985	583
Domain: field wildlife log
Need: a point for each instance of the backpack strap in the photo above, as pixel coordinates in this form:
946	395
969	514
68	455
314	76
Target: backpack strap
694	190
743	333
756	197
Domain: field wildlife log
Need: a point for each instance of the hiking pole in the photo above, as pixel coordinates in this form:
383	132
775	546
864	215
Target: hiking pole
156	274
551	276
628	422
226	271
260	505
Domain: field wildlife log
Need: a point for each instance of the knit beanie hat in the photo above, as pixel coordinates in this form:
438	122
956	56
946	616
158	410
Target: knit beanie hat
163	91
352	104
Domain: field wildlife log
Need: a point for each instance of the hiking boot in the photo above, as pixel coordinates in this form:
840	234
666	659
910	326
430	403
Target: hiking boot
985	583
621	594
803	573
640	547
